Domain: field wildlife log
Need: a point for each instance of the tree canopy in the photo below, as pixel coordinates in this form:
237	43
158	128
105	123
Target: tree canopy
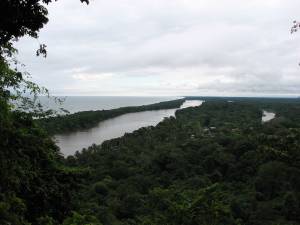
211	165
22	17
35	186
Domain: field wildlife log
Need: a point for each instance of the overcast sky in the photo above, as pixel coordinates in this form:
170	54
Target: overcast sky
168	47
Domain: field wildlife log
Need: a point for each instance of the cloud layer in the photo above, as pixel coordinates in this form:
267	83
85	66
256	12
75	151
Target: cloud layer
162	47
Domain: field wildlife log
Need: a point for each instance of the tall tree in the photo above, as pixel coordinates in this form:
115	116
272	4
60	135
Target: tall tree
35	186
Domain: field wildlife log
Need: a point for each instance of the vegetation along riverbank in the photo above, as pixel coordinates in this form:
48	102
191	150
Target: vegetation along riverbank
213	164
88	119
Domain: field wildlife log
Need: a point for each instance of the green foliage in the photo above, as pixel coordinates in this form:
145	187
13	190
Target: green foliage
101	188
233	169
78	219
212	165
35	186
88	119
271	179
33	180
20	18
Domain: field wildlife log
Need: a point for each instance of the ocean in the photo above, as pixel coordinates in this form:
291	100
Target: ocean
85	103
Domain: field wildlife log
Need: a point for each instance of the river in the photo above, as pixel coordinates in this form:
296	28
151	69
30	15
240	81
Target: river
113	128
267	116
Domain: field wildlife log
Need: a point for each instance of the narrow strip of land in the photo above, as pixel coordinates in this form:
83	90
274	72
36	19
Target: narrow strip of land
88	119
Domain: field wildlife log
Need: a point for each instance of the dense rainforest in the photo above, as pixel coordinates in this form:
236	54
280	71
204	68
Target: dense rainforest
36	188
89	119
213	164
216	164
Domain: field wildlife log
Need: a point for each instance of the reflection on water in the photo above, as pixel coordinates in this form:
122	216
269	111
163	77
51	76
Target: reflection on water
267	116
113	128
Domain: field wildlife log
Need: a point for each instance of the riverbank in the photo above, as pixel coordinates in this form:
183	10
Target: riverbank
116	127
88	119
219	154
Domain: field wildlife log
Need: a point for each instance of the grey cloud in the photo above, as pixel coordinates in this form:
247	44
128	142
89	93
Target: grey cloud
197	46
